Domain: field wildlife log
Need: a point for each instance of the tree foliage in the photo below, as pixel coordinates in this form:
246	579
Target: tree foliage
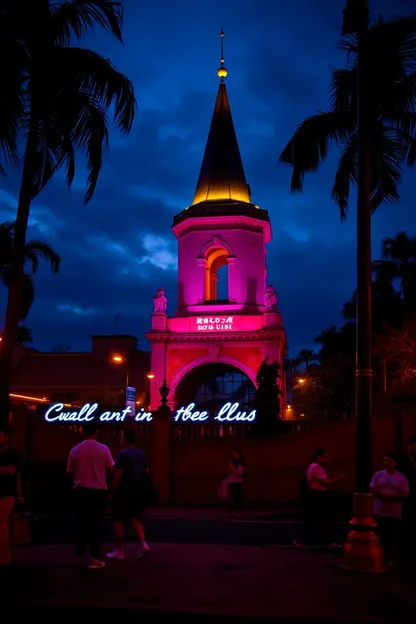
35	250
329	386
392	114
267	401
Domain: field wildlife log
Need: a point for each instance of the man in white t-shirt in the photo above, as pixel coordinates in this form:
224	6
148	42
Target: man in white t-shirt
389	488
318	504
89	464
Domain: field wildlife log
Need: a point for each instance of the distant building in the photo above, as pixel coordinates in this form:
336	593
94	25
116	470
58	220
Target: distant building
99	375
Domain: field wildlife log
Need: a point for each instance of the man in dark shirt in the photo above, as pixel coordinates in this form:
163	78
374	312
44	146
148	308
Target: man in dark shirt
9	473
126	495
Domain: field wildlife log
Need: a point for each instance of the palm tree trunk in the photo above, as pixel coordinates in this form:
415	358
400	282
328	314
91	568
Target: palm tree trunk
14	301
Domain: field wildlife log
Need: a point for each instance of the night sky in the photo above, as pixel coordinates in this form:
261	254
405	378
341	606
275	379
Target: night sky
118	249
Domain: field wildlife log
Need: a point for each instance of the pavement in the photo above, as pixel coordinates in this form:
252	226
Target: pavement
200	582
214	526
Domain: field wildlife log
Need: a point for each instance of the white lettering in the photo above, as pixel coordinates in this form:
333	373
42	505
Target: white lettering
229	412
143	416
186	413
84	414
214	324
118	416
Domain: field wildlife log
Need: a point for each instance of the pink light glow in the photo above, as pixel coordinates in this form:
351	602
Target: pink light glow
238	331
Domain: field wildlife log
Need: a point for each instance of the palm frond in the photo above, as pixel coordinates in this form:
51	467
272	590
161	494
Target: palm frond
27	292
347	172
37	249
91	87
343	92
309	146
386	165
107	87
73	19
11	101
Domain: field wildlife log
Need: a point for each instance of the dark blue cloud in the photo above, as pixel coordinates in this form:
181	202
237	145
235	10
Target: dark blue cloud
117	250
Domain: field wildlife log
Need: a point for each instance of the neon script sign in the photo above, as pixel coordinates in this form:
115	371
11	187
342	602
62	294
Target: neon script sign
218	323
229	412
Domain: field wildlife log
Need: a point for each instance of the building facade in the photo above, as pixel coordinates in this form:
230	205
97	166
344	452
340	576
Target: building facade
227	319
101	374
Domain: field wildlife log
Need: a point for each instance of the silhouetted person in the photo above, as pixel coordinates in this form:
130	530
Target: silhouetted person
389	488
9	473
127	495
235	481
407	466
89	464
317	500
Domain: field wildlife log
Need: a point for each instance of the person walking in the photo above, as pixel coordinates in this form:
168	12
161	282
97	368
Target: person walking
407	466
235	481
389	488
317	500
127	495
9	484
89	464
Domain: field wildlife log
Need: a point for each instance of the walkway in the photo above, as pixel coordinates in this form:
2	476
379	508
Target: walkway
200	581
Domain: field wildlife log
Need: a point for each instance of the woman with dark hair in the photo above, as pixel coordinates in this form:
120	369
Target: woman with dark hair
316	499
235	481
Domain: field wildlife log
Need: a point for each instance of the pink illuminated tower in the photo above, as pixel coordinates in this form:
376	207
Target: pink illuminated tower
221	236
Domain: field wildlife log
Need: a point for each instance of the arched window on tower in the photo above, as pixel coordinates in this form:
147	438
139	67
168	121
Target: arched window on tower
216	279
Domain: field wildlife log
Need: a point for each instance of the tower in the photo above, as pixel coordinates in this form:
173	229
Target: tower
227	319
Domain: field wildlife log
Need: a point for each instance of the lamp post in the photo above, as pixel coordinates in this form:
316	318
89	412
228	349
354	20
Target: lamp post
119	359
362	551
149	376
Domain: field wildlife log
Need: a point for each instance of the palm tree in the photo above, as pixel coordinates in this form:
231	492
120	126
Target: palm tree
35	250
12	80
307	356
65	100
392	110
24	335
399	261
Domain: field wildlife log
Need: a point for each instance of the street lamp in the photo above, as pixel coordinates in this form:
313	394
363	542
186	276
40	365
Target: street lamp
149	376
120	359
362	552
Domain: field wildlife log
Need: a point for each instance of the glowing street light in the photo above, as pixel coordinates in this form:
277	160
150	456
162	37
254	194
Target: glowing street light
149	376
120	359
301	381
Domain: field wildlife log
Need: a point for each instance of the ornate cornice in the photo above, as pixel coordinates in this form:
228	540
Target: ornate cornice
259	336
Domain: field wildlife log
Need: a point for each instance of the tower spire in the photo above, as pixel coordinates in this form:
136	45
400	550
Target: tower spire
222	72
222	175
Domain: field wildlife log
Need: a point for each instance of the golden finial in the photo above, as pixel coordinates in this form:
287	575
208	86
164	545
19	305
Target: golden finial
222	72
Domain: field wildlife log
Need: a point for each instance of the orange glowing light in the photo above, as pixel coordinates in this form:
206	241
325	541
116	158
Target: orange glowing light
301	381
28	398
24	397
118	359
289	407
150	376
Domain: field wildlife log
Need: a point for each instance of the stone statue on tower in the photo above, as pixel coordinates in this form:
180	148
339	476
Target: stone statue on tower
270	299
160	302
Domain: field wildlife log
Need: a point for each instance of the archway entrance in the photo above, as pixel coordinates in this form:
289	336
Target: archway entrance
211	385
